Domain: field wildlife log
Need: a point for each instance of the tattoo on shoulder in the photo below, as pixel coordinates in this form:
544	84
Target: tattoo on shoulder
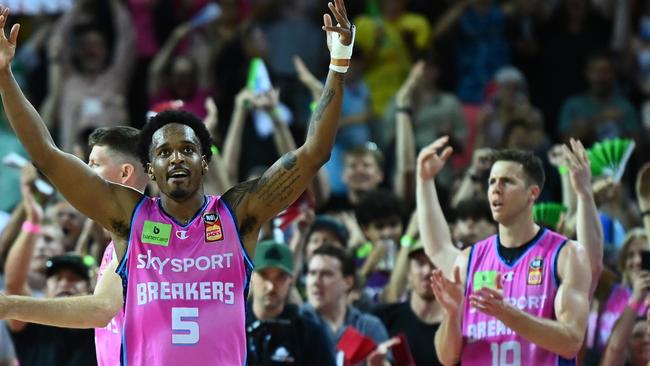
272	188
236	194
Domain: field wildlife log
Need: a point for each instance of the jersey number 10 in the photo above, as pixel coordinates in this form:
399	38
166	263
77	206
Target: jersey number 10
506	353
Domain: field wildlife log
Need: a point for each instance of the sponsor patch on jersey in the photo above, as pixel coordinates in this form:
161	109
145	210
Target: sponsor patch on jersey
484	279
156	233
535	271
210	217
213	229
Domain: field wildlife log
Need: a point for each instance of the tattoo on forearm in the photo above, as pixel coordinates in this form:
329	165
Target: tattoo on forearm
289	160
278	184
325	100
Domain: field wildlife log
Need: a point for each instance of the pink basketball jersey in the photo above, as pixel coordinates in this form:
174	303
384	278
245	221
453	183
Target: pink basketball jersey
614	307
108	340
186	288
530	284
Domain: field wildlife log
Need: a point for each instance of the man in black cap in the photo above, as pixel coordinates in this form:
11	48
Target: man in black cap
325	230
37	344
280	333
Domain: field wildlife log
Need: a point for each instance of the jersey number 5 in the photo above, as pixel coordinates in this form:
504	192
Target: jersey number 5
185	328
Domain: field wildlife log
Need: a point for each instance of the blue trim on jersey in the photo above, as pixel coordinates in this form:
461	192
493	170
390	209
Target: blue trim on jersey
556	255
206	200
469	270
565	362
539	236
247	258
123	360
249	267
122	264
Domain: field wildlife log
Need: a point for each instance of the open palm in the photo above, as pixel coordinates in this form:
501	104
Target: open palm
430	162
7	45
448	293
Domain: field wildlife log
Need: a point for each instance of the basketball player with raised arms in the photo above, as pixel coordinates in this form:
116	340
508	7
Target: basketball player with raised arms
520	297
184	257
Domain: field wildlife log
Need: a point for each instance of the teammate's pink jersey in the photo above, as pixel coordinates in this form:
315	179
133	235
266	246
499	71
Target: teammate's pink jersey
108	340
185	288
529	283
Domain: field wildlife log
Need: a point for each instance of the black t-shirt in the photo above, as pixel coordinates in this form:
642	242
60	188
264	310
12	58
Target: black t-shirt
42	345
510	255
293	338
399	318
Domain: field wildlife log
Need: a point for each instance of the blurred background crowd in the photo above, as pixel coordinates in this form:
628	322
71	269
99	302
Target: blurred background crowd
490	74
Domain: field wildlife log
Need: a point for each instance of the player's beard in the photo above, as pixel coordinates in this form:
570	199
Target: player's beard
179	193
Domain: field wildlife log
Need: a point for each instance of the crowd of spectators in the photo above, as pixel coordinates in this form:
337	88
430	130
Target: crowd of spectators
490	74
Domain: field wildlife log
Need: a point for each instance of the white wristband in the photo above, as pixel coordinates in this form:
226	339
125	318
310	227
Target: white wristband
339	69
339	50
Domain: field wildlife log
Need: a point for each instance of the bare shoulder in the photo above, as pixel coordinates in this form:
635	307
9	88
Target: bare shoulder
573	262
571	251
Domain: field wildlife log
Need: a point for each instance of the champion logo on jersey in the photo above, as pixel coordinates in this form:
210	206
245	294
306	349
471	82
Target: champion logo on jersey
182	234
508	276
213	229
535	270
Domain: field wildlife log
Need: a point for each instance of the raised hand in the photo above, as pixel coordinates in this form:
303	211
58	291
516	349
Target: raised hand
7	45
378	356
308	79
405	92
448	293
640	285
481	161
430	162
268	100
343	26
211	119
643	187
33	210
579	167
244	99
556	155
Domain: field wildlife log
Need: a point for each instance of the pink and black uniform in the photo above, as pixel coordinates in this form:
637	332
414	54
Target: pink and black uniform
185	288
108	340
530	283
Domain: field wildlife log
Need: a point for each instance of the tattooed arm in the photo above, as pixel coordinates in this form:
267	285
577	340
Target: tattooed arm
255	202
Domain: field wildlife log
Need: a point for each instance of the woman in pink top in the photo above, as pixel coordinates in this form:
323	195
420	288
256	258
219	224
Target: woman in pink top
629	293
